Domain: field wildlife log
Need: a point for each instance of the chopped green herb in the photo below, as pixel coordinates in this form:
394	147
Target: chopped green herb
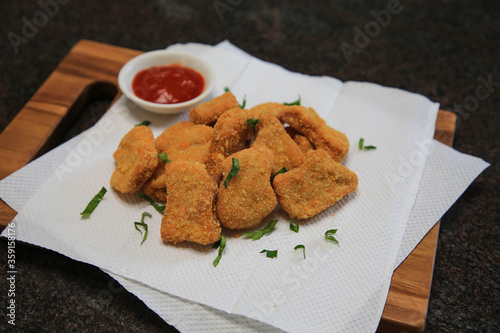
363	147
93	203
361	143
234	170
242	106
270	253
221	244
294	227
144	123
297	102
164	157
252	122
159	209
282	170
144	225
216	244
329	233
259	233
300	246
226	89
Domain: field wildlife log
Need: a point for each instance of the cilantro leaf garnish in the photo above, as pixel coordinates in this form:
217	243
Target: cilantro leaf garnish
164	157
234	170
294	227
361	143
144	225
226	89
159	209
329	233
300	246
221	244
93	203
282	170
242	106
252	122
144	123
270	253
259	233
363	147
297	102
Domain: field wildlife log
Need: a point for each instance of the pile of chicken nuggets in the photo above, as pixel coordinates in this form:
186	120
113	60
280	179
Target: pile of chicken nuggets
288	156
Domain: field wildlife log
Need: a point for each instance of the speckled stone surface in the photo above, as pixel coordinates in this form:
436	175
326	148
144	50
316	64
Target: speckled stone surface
441	49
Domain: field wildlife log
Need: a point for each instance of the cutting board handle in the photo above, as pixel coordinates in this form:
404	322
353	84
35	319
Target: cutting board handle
45	117
87	72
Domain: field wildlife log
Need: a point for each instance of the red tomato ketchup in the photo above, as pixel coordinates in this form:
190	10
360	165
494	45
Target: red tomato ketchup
168	84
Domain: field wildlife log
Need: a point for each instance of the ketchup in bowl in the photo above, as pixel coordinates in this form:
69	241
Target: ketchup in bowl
169	84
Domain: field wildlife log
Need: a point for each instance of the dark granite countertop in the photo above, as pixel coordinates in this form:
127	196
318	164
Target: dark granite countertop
443	49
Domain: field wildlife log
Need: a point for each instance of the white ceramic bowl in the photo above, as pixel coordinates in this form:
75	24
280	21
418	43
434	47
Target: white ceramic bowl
159	58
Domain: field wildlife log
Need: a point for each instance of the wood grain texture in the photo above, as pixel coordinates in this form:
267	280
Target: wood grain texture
90	70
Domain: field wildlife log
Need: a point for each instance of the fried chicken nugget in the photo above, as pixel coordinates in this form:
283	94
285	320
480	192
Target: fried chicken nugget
156	187
249	197
231	132
270	133
307	122
186	141
208	112
189	212
136	159
182	141
318	184
271	108
304	144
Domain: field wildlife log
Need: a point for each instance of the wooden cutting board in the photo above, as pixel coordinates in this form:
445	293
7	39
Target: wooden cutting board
90	70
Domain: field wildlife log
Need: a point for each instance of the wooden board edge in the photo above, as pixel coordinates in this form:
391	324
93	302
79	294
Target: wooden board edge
408	298
58	113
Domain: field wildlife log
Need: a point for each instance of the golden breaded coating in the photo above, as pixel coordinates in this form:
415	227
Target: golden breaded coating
156	186
185	141
270	133
208	112
249	197
170	133
307	122
318	184
271	108
182	141
304	144
189	212
136	159
231	133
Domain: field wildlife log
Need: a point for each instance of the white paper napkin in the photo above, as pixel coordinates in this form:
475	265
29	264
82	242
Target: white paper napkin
447	175
340	287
